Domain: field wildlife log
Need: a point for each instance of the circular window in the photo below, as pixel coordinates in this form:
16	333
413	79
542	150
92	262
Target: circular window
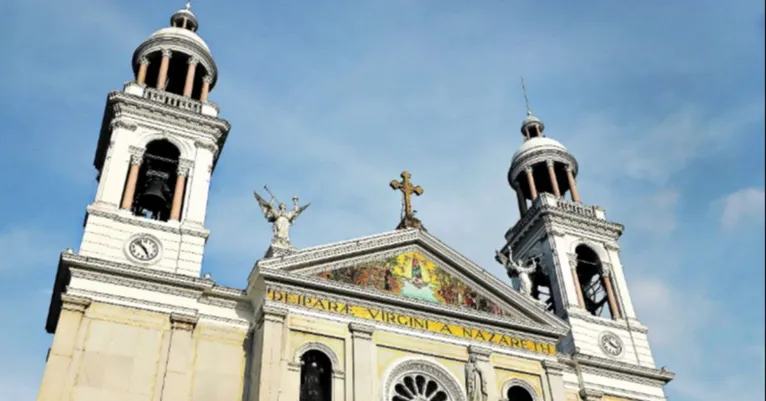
417	387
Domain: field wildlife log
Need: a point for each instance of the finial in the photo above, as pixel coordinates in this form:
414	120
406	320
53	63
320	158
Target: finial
526	100
188	5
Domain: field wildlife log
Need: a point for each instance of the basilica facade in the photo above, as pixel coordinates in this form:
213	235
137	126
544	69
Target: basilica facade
397	316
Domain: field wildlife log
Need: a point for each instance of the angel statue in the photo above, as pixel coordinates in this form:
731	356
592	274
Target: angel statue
515	269
280	217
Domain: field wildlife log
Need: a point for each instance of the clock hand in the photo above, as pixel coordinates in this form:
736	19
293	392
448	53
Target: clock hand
146	252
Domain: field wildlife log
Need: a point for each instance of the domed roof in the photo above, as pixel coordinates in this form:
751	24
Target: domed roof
536	143
173	32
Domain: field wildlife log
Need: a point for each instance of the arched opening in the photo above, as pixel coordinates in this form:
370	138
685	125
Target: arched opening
593	287
156	178
177	70
518	393
316	377
416	387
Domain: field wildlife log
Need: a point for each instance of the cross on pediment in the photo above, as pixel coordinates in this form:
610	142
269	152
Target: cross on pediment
405	186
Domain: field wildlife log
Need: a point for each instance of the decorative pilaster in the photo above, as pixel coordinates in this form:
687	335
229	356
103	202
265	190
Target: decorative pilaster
177	380
189	85
531	181
267	355
364	357
572	183
207	80
136	157
199	184
164	64
553	381
178	194
552	174
62	361
143	66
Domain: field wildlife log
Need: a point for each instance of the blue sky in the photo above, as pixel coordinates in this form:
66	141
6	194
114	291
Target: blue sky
661	102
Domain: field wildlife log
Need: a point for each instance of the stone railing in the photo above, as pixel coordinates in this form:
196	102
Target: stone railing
170	99
577	208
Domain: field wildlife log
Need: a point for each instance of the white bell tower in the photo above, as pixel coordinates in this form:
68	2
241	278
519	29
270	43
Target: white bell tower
159	143
580	277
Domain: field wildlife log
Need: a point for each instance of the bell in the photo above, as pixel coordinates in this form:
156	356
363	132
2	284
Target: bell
156	194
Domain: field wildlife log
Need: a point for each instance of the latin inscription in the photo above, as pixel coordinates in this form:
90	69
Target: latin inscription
384	316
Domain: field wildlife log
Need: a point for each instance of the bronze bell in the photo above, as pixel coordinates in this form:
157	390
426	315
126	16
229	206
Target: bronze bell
156	194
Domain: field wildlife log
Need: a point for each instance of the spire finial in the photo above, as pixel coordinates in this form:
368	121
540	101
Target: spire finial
526	100
188	5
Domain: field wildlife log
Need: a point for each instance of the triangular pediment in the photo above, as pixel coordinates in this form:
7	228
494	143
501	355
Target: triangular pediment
414	265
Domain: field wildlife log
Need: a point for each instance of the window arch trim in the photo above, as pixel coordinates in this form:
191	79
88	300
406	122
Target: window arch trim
337	371
519	383
185	149
424	366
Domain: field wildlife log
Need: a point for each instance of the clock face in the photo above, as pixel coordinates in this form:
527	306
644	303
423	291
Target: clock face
611	344
144	248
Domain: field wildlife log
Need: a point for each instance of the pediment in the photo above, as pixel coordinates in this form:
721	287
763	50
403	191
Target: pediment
414	266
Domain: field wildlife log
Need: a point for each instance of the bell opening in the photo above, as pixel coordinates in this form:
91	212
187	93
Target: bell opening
154	188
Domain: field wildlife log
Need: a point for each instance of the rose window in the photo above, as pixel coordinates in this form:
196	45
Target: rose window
416	387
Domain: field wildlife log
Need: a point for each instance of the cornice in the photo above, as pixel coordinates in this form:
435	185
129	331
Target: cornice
145	223
608	365
635	326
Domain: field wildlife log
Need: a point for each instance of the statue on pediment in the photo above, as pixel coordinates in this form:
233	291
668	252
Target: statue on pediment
280	217
518	269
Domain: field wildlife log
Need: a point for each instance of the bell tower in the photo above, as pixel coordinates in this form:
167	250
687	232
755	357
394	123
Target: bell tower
159	142
578	273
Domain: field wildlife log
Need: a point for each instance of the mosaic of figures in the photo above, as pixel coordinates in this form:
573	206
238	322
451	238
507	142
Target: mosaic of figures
412	275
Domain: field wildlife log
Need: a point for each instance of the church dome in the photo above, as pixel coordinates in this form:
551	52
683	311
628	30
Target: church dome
179	34
538	143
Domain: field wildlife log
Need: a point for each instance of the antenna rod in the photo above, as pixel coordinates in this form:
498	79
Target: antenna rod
526	100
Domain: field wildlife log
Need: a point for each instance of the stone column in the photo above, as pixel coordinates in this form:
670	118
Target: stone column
553	381
591	395
178	194
531	181
189	86
572	184
143	66
521	199
186	22
614	308
177	383
552	174
60	356
364	360
576	279
270	332
130	187
207	80
164	64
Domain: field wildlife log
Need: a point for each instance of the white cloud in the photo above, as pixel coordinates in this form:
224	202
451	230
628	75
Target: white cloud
741	207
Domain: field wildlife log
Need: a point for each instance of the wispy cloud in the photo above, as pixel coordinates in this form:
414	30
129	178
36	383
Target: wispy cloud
744	206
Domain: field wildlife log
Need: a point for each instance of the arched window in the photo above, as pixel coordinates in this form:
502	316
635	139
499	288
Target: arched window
156	181
592	285
416	379
316	376
417	387
518	393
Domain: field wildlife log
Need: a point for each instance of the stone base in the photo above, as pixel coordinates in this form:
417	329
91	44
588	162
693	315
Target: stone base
275	251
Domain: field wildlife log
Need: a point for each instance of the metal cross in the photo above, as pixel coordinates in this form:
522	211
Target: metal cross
407	189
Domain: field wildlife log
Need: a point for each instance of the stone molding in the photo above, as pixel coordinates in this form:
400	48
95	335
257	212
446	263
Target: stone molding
542	155
591	394
482	353
609	365
431	369
123	123
184	166
553	367
74	303
183	322
518	383
271	313
149	224
361	330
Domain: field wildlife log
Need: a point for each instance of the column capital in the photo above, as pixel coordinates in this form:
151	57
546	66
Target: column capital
549	163
569	168
481	353
572	260
193	60
143	60
167	53
136	154
606	269
361	330
184	166
274	314
529	169
209	145
74	303
611	247
179	321
591	395
208	79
